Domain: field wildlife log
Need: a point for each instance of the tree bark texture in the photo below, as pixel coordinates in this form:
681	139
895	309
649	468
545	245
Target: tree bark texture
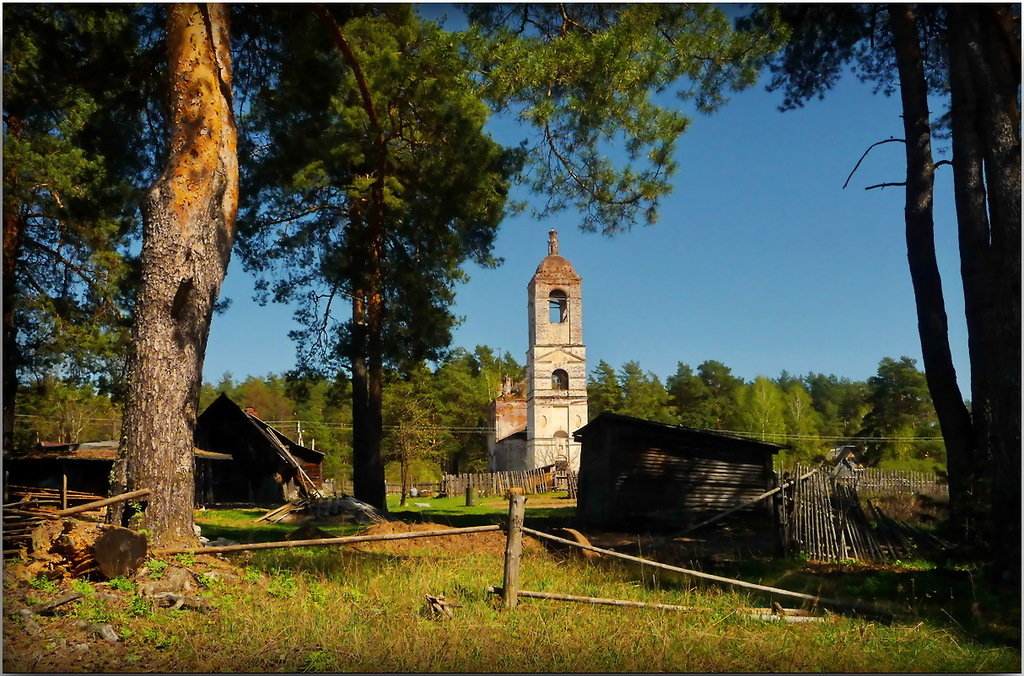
954	419
189	226
12	245
984	78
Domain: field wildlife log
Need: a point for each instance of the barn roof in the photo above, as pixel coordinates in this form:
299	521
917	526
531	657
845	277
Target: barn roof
224	414
605	420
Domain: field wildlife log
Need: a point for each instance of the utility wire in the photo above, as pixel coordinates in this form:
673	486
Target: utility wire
479	429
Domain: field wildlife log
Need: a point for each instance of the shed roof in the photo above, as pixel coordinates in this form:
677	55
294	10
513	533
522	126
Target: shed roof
605	420
93	450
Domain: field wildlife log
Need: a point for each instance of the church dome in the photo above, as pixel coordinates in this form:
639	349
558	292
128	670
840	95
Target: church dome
553	264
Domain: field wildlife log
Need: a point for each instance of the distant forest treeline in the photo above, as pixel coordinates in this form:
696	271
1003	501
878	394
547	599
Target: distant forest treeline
890	417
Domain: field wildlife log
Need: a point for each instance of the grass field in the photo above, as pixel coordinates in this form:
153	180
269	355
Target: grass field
362	608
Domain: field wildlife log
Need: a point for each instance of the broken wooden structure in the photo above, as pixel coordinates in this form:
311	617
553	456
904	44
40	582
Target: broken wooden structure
268	468
825	519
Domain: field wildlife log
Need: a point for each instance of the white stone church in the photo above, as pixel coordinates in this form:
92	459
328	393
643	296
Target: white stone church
534	428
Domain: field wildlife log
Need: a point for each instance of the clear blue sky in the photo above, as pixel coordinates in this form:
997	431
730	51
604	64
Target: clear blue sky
760	259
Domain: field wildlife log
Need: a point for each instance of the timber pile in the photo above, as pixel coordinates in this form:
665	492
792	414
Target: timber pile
42	497
53	545
340	508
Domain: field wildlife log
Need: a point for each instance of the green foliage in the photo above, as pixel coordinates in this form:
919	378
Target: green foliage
43	583
121	583
604	393
901	409
83	587
690	397
760	409
73	157
156	568
442	180
64	411
643	395
583	77
185	559
139	606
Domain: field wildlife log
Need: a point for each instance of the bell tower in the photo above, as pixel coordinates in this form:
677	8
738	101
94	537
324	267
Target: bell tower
556	363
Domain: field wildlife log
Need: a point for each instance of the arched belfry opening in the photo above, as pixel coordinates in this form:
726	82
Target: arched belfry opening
558	307
559	379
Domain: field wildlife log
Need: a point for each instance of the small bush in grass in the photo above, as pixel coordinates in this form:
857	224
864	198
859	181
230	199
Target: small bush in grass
121	583
43	583
83	587
156	568
185	559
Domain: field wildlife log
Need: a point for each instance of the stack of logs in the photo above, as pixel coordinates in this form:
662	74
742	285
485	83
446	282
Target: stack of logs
53	497
51	540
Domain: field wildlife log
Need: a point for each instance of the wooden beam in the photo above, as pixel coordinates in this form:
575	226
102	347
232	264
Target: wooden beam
787	615
324	542
738	507
818	600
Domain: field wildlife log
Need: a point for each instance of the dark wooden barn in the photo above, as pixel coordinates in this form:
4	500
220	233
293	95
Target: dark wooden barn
268	465
85	467
635	471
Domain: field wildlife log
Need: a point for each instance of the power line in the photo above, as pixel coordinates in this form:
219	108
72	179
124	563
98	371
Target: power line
480	429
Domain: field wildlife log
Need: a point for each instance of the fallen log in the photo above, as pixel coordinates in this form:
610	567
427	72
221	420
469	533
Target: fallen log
787	615
49	607
834	604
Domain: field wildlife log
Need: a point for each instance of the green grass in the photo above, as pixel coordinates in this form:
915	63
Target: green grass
453	511
339	609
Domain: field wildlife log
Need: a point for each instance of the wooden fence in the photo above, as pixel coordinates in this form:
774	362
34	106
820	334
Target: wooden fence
499	483
889	481
825	518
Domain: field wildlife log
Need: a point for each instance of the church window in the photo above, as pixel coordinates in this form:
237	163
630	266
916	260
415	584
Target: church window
559	380
558	307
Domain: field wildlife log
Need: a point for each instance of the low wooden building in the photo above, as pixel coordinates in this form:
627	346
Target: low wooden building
269	467
635	471
85	467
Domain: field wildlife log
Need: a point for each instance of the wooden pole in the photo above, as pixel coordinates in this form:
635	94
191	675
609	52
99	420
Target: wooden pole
92	505
833	603
142	492
513	549
63	485
786	615
324	542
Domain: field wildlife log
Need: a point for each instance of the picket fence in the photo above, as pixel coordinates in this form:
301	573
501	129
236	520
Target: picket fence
890	481
499	483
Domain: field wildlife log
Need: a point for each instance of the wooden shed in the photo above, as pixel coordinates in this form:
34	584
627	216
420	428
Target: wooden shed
268	465
86	467
635	471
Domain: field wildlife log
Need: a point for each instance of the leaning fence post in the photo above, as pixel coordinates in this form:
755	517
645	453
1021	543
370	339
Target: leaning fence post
513	550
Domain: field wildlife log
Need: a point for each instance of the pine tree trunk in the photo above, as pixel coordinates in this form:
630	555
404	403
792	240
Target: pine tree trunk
954	419
12	249
12	245
984	77
189	220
